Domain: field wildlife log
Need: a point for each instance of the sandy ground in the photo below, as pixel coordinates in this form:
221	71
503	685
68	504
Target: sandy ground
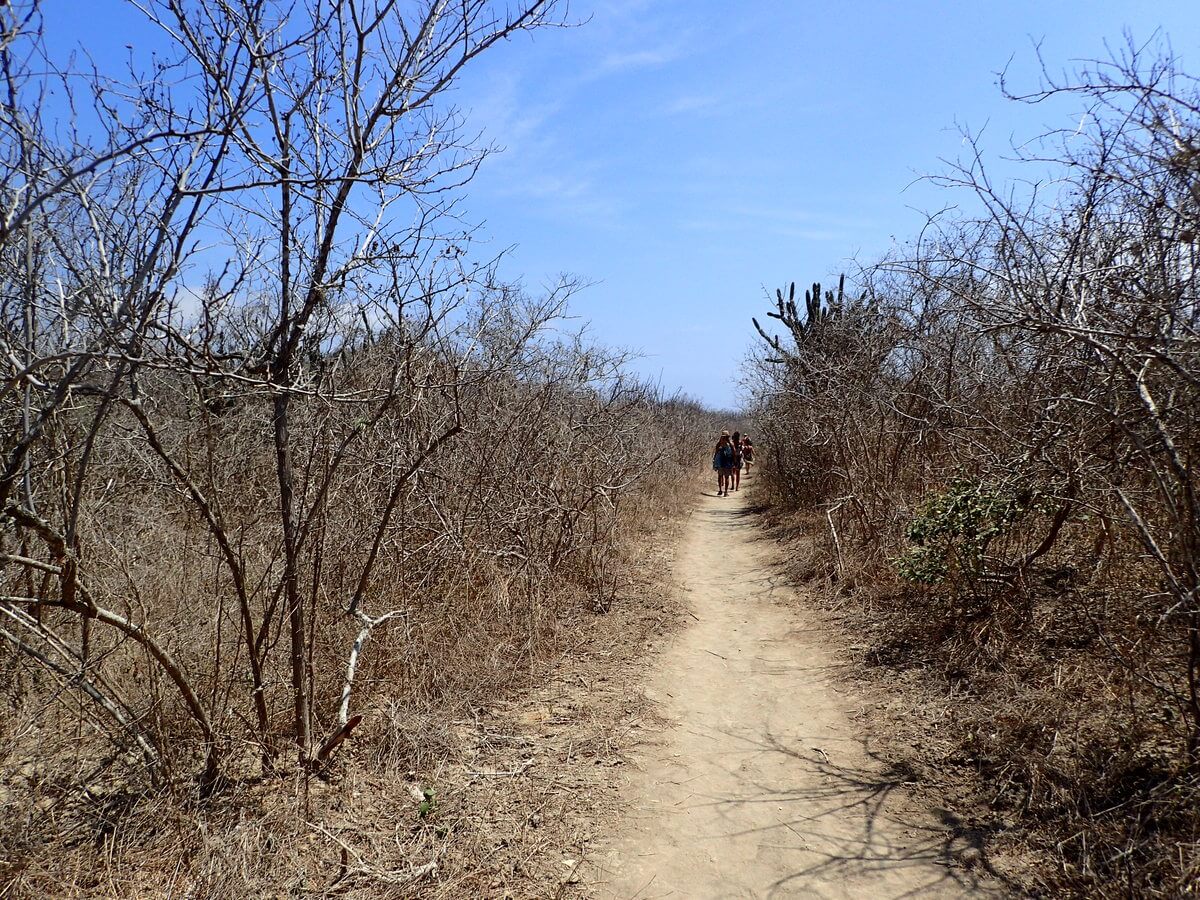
763	785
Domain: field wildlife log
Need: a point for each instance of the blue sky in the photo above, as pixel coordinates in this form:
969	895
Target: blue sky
684	155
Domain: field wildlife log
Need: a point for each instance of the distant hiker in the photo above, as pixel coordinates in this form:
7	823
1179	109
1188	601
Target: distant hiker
723	464
737	460
747	452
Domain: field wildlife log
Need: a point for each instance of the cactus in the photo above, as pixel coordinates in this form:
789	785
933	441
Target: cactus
817	315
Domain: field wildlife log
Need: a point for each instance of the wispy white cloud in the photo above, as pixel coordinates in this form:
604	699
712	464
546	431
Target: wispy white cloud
644	58
533	112
690	104
633	35
573	192
506	113
540	164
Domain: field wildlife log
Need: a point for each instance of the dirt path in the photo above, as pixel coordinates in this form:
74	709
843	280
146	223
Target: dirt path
763	785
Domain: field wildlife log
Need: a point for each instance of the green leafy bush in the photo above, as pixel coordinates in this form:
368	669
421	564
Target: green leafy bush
953	529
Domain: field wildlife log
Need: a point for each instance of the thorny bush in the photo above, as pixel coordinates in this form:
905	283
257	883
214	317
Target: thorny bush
278	452
999	429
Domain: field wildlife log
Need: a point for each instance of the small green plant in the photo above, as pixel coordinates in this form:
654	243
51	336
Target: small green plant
952	530
428	805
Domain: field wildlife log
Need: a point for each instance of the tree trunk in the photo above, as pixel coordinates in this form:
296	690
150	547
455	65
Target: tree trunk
293	603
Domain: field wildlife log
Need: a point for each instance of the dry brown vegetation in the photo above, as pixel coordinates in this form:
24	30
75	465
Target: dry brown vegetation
993	437
292	487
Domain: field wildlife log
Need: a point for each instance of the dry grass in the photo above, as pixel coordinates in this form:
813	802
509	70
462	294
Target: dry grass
1028	734
521	765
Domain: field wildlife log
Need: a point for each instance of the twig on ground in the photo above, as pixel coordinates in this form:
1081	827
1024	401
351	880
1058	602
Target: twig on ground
518	771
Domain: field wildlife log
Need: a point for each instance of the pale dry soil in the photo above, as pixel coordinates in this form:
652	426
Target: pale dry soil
763	783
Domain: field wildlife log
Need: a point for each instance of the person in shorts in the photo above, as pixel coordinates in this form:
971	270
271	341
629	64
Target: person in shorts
723	464
747	452
737	460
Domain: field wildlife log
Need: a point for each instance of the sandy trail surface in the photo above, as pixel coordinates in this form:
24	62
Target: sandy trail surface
764	784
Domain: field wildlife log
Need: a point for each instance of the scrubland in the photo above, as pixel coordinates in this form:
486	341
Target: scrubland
988	441
297	490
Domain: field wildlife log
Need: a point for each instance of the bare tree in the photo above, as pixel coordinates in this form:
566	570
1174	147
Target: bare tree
305	149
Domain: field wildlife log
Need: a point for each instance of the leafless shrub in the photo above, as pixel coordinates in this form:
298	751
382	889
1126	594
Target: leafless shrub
1000	429
277	450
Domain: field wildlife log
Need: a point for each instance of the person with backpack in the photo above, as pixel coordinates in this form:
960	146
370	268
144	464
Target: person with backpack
737	460
723	464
